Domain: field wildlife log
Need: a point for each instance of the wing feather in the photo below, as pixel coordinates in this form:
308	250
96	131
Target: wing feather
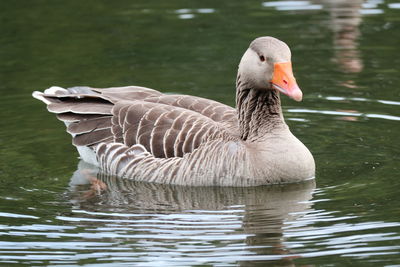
74	117
165	131
92	138
89	125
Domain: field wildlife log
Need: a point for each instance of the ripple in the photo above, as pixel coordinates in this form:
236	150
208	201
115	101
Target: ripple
186	13
388	102
370	11
345	251
292	5
183	11
15	215
205	10
198	236
344	113
186	16
297	119
36	227
338	228
361	99
394	5
58	245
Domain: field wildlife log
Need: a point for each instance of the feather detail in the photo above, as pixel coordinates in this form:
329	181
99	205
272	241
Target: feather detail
89	125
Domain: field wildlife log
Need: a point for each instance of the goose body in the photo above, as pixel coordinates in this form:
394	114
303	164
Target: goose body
142	134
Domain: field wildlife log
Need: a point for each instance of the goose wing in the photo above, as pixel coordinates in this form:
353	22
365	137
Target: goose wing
166	125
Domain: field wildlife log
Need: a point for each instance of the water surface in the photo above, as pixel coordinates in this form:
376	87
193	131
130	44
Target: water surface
57	210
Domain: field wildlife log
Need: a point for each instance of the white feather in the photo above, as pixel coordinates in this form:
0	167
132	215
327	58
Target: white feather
39	95
54	90
87	154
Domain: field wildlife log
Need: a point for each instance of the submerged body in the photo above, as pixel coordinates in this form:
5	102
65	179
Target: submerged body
142	134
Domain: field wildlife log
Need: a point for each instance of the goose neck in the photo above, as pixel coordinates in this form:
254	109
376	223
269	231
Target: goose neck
259	112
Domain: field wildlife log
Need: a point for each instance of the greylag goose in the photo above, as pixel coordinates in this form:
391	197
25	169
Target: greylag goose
141	134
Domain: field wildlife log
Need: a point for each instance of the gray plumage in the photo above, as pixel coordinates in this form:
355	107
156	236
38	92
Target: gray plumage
141	134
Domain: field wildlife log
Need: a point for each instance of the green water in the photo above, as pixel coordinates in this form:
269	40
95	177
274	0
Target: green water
346	60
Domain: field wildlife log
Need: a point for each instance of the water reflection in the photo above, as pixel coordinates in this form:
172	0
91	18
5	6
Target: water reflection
186	13
345	18
236	223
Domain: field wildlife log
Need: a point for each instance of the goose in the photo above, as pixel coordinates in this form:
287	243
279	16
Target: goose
142	134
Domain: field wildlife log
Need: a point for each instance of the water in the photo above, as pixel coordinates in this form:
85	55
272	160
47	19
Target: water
345	58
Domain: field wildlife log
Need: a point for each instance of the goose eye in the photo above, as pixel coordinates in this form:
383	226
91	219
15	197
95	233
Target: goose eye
262	58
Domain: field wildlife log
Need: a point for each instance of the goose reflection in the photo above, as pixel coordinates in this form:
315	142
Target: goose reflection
345	19
255	214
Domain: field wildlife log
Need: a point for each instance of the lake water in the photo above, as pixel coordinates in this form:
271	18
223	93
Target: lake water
346	60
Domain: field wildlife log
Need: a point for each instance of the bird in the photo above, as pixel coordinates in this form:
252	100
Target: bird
139	133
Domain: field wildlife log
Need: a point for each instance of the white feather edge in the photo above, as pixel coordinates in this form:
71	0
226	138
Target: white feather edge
54	90
39	95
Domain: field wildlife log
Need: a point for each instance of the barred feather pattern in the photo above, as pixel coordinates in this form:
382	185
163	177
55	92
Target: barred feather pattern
259	111
163	130
227	158
166	125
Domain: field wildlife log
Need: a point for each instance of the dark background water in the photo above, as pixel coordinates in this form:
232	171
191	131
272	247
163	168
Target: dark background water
346	60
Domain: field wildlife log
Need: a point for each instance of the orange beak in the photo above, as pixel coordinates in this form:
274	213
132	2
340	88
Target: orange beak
284	81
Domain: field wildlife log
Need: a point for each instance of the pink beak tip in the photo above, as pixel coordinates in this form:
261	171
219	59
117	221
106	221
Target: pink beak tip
297	95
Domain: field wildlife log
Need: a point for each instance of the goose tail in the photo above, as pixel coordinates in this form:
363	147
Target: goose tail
86	113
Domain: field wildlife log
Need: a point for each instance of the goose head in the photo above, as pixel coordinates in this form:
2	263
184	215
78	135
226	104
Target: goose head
266	65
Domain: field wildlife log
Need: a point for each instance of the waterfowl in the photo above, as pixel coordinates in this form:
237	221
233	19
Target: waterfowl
142	134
